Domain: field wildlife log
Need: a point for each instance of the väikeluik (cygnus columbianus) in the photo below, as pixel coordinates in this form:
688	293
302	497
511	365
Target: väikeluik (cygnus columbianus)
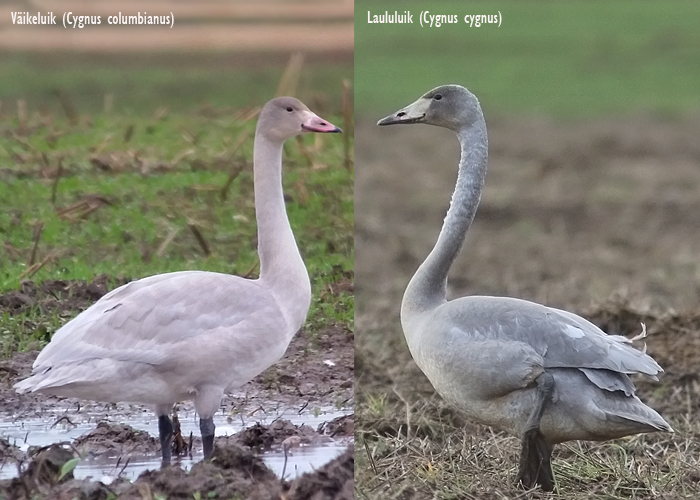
193	334
540	373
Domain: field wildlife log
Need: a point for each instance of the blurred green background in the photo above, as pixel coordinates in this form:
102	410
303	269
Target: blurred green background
567	58
140	83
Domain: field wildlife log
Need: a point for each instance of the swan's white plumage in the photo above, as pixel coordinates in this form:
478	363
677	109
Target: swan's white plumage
140	333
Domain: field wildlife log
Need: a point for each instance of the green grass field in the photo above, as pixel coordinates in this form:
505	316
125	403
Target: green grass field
153	168
569	59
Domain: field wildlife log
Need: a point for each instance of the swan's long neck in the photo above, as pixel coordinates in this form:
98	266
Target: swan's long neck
427	288
281	265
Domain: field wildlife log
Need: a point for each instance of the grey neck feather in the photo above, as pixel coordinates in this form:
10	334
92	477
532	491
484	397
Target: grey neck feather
280	262
427	288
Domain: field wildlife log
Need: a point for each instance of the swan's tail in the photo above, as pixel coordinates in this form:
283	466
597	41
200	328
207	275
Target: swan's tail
601	411
635	417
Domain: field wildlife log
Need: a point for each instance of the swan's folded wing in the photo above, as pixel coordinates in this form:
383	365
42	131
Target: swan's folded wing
135	321
563	339
584	345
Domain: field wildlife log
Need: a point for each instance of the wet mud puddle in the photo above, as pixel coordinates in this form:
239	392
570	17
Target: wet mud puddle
104	463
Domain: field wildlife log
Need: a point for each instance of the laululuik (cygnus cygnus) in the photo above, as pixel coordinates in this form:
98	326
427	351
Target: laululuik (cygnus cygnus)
539	373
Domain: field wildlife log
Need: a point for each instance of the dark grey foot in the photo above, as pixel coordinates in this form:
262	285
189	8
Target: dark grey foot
206	426
535	462
536	455
165	432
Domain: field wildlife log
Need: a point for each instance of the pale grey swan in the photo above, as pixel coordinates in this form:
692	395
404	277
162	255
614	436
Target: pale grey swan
542	374
192	334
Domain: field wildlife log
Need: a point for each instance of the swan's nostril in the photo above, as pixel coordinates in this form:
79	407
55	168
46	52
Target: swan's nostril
401	113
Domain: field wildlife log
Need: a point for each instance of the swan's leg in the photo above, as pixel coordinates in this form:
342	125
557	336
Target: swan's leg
536	454
206	426
165	431
206	403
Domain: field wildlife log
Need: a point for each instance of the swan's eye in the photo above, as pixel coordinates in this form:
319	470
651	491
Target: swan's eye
437	97
290	109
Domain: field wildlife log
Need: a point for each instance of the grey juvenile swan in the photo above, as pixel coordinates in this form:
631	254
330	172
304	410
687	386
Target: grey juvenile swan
542	374
193	334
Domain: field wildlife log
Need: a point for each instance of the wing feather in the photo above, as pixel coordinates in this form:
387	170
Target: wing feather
135	321
563	339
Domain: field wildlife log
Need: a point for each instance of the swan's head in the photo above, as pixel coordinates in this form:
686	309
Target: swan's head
285	117
449	106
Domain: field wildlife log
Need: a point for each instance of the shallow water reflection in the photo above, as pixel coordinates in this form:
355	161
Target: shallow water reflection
43	432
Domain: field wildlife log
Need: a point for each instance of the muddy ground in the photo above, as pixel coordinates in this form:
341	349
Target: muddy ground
599	217
234	471
316	372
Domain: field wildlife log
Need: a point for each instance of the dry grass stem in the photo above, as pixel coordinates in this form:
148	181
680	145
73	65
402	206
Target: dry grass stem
192	226
163	246
38	229
56	180
33	269
250	272
290	77
81	209
348	117
235	171
22	115
68	106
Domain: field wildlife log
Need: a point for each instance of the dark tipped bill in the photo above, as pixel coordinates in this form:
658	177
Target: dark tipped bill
313	123
414	113
398	118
